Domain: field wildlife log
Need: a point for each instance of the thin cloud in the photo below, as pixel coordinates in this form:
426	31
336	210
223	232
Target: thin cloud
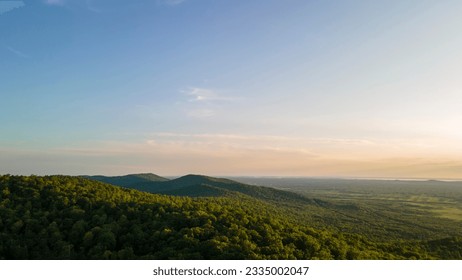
16	52
90	5
202	113
205	102
204	94
339	148
230	154
92	8
236	142
7	6
173	2
55	2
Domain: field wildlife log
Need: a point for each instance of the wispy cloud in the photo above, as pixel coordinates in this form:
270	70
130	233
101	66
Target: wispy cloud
205	102
6	6
90	5
345	148
172	153
55	2
172	2
16	52
204	94
237	142
201	113
246	154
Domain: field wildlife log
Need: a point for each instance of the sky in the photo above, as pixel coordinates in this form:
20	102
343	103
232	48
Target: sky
232	88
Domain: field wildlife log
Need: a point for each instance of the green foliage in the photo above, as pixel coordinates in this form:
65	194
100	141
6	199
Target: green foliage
62	217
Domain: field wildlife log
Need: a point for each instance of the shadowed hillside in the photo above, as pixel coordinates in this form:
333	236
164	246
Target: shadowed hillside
128	180
199	185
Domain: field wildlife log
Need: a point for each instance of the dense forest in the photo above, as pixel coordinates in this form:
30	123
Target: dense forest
64	217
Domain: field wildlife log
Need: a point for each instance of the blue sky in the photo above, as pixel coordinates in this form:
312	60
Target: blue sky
290	88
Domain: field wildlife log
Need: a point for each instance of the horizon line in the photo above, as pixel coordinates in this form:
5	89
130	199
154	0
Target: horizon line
416	179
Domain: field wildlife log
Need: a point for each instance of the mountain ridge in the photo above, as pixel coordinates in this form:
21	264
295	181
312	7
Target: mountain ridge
127	180
194	185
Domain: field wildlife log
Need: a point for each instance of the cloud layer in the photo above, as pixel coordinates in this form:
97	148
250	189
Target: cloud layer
7	6
204	103
55	2
16	52
173	2
204	95
170	153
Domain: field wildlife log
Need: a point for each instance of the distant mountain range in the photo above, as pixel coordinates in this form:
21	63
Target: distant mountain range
198	186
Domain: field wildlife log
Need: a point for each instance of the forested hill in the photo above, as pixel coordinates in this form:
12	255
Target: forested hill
204	186
61	217
128	180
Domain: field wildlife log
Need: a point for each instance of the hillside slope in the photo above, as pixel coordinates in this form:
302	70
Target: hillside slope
205	186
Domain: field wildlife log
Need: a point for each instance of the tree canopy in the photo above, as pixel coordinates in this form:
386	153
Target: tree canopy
63	217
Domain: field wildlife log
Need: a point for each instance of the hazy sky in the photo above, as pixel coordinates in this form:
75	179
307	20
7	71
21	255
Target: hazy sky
231	87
